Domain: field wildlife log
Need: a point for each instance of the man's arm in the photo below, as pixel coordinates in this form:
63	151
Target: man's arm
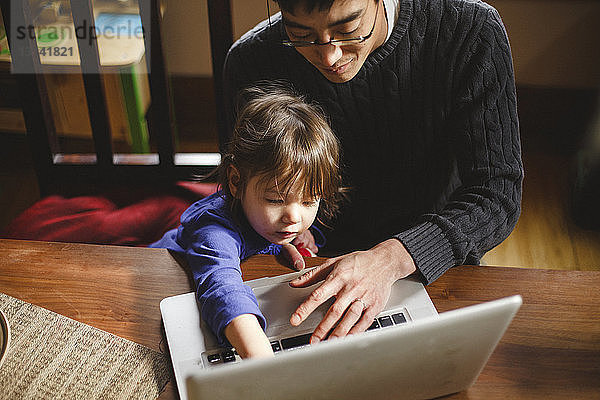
484	132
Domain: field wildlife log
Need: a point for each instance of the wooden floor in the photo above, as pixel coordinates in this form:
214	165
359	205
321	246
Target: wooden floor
546	236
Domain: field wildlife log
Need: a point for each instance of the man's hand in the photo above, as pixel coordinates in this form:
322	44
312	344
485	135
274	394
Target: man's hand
361	283
290	251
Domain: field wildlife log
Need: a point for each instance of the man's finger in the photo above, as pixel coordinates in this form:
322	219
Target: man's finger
343	307
293	256
348	320
314	275
320	295
363	324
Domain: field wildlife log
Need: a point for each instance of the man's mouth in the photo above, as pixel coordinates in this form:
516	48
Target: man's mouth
340	69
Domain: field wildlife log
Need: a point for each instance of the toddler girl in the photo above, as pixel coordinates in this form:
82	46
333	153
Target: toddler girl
280	171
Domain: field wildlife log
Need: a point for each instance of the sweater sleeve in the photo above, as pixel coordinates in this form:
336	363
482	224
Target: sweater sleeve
213	254
484	134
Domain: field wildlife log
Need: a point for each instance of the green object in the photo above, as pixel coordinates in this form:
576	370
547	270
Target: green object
48	36
3	40
131	77
134	106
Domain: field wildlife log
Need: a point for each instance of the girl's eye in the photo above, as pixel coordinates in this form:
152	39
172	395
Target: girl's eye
311	203
274	201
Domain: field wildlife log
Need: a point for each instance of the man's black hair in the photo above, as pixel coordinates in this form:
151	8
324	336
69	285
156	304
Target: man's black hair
308	5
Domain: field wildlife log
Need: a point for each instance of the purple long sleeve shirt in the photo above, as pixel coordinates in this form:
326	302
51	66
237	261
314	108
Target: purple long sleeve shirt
214	241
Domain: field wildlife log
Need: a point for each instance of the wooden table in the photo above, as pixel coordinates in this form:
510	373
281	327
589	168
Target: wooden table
551	350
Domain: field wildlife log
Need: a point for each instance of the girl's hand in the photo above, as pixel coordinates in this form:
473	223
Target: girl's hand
361	283
245	334
290	251
307	241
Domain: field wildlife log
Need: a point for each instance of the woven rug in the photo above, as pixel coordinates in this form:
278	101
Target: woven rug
54	357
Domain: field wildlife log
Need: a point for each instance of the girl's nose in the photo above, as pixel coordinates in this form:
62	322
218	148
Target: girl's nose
292	214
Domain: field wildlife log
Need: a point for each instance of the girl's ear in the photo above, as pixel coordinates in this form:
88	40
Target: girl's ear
233	180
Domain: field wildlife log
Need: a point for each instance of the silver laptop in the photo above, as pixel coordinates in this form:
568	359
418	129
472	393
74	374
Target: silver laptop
409	348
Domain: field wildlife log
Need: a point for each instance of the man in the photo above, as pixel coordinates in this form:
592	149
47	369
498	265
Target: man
421	95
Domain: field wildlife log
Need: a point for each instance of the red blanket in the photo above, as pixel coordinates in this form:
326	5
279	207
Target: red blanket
120	217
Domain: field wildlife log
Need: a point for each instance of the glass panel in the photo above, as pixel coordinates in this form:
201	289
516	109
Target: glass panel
69	111
125	79
122	56
11	119
195	113
187	53
59	56
53	26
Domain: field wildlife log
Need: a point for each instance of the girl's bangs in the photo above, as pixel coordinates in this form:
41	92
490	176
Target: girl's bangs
289	177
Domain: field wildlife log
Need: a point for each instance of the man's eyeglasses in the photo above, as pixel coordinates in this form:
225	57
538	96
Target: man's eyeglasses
335	42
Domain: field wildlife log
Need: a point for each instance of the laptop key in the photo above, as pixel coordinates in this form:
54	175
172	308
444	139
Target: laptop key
214	358
374	325
296	341
275	346
385	321
399	318
228	356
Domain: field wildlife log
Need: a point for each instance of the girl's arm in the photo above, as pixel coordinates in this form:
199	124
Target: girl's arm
246	335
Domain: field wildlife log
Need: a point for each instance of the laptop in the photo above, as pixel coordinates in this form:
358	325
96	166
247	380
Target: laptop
410	351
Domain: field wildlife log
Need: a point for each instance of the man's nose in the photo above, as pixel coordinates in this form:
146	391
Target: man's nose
329	54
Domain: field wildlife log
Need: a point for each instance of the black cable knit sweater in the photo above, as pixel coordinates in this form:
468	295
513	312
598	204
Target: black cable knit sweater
429	130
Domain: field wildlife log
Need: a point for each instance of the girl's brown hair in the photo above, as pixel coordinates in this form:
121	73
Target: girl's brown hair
283	139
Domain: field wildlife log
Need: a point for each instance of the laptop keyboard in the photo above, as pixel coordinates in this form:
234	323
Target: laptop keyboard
220	356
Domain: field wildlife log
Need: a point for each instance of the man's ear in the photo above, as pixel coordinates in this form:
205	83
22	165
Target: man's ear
233	180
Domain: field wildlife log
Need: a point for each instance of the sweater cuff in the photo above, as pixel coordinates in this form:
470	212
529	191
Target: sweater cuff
429	248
